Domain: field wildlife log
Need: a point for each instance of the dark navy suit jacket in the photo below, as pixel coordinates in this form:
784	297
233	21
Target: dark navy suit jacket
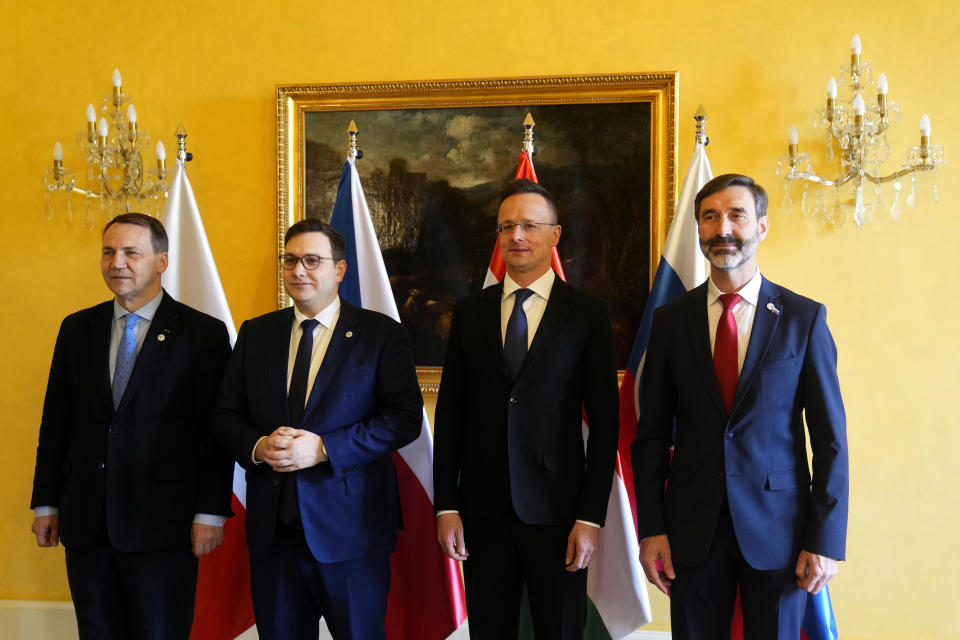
757	454
149	466
504	443
365	403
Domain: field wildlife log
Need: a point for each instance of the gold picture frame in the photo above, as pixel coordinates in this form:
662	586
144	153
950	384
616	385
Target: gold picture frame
657	91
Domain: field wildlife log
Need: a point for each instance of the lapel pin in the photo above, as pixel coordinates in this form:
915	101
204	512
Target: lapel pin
773	309
161	338
349	334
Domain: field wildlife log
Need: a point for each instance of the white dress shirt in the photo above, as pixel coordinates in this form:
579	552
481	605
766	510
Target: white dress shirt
744	313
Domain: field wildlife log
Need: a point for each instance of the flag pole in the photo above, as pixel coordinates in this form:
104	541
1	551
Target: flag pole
528	125
352	132
701	119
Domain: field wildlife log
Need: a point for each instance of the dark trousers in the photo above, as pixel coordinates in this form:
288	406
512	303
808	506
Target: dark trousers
702	597
141	595
292	591
505	555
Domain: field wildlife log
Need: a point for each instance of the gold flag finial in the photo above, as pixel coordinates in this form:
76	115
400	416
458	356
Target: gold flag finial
528	124
701	119
352	131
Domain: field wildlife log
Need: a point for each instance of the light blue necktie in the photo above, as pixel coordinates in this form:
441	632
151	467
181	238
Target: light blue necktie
126	357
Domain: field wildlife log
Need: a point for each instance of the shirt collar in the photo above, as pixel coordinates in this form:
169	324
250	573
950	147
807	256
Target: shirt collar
749	292
541	286
325	317
146	312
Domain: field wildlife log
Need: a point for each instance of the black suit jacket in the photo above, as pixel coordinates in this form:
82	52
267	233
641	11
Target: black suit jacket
365	403
501	442
150	466
756	455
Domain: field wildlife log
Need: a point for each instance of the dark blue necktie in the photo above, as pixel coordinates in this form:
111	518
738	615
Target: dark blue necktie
126	358
515	339
288	509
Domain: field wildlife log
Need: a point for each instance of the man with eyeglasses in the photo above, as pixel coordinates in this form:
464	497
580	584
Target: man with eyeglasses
519	497
314	401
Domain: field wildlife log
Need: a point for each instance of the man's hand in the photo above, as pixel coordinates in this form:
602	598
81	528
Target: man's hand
813	571
205	538
450	536
47	530
581	543
288	449
653	549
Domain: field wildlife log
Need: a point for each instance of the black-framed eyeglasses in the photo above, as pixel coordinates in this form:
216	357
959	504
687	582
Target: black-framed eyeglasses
310	262
526	227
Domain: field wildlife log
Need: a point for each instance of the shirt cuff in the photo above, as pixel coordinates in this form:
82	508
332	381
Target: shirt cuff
440	513
40	512
209	519
592	524
253	452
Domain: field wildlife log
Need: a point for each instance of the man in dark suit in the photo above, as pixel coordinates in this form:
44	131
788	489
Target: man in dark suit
315	400
734	369
127	473
514	483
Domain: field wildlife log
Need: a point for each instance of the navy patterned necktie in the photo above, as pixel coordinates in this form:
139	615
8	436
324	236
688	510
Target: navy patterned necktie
288	508
126	358
515	339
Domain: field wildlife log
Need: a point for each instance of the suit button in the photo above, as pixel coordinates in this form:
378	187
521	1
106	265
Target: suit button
102	466
276	482
514	399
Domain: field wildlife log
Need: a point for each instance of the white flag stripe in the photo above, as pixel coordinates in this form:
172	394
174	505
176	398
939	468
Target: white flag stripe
378	296
682	247
191	276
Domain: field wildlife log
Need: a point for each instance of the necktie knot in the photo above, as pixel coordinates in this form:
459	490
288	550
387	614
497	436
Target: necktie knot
730	300
522	295
309	324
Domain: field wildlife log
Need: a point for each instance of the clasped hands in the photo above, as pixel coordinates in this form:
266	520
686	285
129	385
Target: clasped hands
581	543
289	449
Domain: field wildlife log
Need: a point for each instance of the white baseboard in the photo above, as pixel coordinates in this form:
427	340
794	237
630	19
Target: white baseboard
33	620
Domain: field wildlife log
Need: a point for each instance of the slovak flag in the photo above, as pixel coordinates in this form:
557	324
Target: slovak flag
426	600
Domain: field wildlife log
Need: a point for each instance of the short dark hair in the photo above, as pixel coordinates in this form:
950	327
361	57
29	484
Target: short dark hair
732	180
158	235
311	225
524	185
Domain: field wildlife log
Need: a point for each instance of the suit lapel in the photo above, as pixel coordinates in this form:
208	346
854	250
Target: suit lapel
278	352
554	315
765	323
100	329
162	331
699	334
345	334
492	332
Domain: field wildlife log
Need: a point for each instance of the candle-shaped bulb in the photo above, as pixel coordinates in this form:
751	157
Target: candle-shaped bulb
91	113
161	152
882	85
855	44
58	152
832	89
132	114
925	125
102	128
792	136
859	108
116	78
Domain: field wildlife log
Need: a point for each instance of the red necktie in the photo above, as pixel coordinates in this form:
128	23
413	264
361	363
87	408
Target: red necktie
725	350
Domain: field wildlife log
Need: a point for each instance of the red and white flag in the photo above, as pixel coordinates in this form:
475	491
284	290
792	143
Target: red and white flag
223	608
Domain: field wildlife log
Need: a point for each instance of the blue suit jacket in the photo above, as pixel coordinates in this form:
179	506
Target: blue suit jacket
757	454
365	403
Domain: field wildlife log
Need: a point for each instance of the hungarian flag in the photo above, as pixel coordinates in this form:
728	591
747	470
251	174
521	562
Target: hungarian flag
426	600
617	601
223	609
681	268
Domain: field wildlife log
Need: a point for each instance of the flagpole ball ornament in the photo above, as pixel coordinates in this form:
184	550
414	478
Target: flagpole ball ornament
701	119
352	133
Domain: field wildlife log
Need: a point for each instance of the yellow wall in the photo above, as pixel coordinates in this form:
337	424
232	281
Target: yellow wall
757	67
